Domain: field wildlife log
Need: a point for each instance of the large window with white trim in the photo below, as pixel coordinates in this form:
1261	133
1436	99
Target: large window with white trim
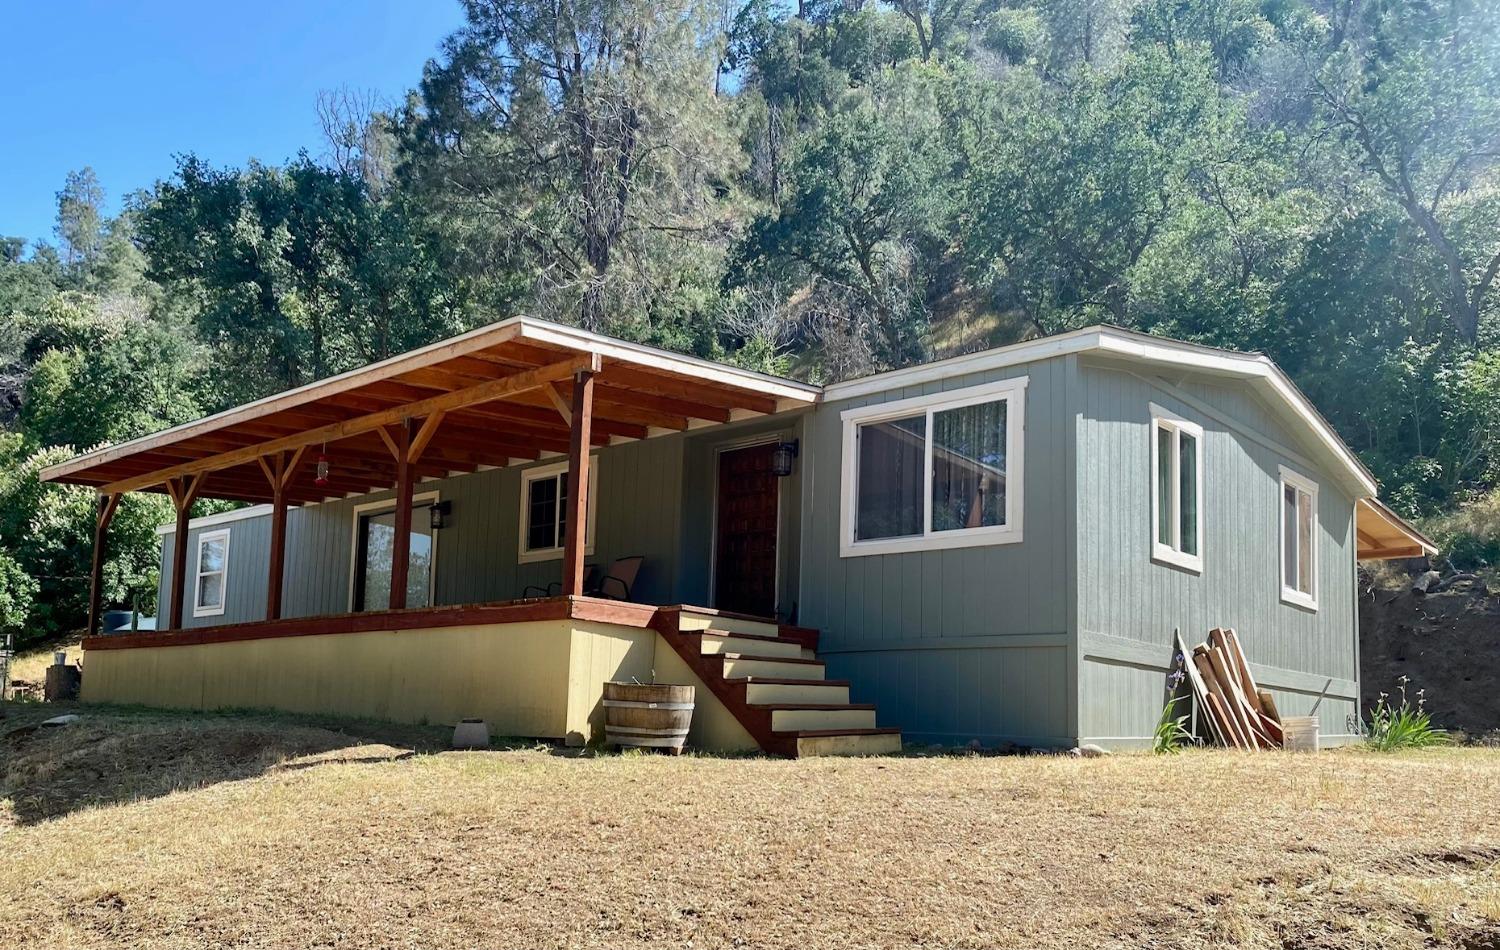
934	471
1176	490
544	511
1299	539
212	571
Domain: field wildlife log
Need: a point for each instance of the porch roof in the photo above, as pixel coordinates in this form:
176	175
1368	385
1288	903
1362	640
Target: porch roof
1382	534
492	396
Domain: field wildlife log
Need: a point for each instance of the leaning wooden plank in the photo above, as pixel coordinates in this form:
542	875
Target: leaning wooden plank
1272	718
1270	725
1269	702
1200	689
1226	692
1217	701
1217	705
1242	665
1239	707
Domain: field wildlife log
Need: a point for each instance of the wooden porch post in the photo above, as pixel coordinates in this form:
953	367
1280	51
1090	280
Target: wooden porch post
184	492
401	553
279	471
578	482
102	518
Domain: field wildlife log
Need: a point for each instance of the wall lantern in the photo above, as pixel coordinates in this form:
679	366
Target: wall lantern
440	511
781	459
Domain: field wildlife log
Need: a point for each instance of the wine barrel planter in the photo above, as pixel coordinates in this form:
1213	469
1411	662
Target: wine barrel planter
653	716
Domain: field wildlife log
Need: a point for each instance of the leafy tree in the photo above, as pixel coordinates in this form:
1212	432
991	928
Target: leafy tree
1071	186
559	134
17	595
1415	93
48	530
80	219
105	373
868	208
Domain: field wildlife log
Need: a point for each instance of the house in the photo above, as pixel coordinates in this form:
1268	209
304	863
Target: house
997	546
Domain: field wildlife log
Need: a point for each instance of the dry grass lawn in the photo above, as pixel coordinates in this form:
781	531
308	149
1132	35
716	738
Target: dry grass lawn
136	829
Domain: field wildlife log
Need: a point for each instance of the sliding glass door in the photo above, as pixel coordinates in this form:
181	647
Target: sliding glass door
377	546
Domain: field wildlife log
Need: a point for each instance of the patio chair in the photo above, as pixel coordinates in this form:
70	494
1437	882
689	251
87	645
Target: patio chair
554	589
618	579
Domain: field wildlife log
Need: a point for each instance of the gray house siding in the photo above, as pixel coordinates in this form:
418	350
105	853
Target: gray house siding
655	499
1061	637
1130	604
961	643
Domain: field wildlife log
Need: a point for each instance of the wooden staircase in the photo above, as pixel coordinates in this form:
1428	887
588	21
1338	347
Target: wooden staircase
769	677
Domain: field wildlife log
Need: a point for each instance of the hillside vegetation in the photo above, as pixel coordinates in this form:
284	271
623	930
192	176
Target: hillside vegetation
823	189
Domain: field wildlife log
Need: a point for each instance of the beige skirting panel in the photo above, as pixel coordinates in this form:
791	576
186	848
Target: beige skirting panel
540	679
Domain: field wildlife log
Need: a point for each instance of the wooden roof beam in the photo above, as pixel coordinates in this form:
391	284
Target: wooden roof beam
484	392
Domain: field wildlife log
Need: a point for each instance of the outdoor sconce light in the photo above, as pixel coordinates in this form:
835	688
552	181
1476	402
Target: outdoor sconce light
781	459
440	512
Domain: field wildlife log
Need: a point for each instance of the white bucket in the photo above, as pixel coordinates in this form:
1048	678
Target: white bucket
1301	733
60	658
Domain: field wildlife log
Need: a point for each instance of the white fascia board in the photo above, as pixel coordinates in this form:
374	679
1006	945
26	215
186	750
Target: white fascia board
1137	347
223	517
1076	341
556	334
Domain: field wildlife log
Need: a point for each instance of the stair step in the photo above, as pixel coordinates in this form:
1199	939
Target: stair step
743	665
689	621
713	642
766	690
802	717
811	742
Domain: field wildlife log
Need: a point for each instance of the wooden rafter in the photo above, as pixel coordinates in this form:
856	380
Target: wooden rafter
497	389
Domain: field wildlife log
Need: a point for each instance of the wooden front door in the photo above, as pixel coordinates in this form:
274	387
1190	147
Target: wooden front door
745	539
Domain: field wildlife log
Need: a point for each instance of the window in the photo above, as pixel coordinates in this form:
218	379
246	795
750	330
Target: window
544	506
1299	540
934	472
1176	490
375	552
212	571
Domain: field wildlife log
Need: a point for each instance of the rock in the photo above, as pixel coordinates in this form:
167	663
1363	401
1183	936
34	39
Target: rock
1425	583
62	720
1089	751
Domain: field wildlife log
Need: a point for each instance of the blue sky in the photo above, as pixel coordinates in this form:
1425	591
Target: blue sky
124	87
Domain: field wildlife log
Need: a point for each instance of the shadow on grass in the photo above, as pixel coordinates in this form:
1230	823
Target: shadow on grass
116	754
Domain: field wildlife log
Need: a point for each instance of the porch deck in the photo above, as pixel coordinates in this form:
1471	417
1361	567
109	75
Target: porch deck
531	668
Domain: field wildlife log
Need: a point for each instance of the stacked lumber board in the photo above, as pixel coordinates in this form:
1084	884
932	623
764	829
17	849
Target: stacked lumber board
1240	715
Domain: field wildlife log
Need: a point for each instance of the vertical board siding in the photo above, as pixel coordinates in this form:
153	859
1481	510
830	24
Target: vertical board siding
1124	594
924	633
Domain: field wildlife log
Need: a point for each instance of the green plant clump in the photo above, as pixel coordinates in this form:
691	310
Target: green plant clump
1403	726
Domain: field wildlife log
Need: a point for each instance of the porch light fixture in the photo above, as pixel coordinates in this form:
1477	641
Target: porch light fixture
440	512
781	459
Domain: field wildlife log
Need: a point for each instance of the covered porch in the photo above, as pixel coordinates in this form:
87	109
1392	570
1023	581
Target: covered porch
502	397
397	515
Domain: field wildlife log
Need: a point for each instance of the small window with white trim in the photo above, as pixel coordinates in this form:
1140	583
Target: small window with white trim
934	472
1176	490
544	511
1298	508
212	573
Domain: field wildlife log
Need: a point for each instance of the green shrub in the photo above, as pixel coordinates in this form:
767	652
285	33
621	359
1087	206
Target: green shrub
1469	539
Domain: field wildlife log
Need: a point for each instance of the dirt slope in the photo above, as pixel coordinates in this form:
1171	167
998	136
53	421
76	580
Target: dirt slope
1447	643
